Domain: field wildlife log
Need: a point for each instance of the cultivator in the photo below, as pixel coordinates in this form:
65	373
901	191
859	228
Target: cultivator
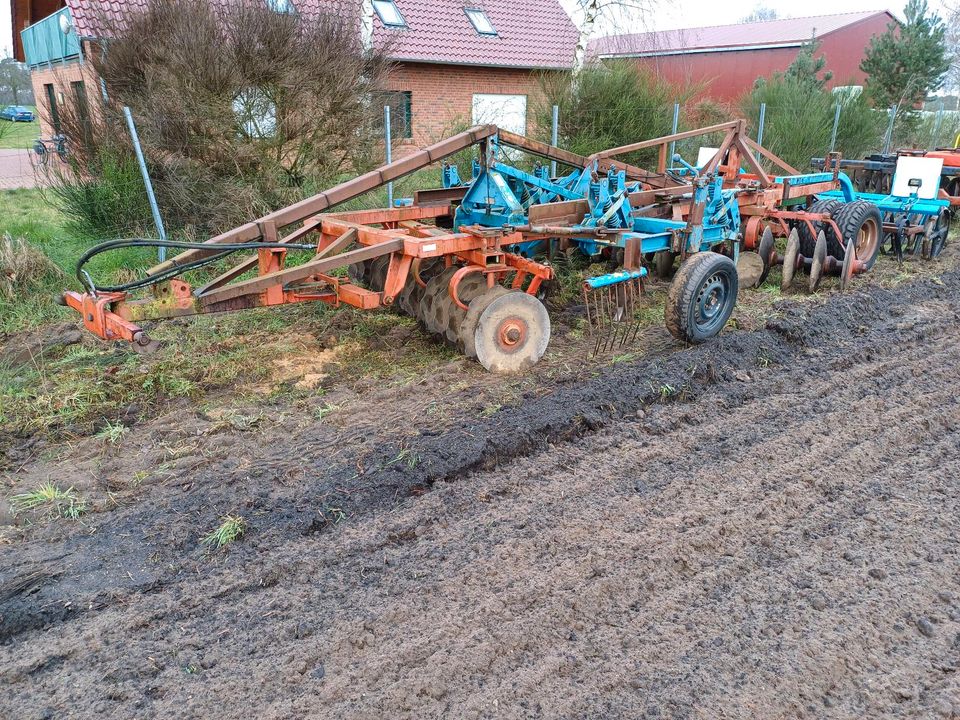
472	261
915	192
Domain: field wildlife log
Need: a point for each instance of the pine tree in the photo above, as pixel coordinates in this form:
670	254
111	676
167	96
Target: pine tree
806	68
908	61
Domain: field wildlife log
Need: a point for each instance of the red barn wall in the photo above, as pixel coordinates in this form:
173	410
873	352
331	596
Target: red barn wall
728	75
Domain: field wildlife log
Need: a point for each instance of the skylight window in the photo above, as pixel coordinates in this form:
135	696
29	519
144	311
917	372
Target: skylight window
481	23
282	6
389	13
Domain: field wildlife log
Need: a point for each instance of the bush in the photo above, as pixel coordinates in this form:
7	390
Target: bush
609	105
799	120
239	109
23	267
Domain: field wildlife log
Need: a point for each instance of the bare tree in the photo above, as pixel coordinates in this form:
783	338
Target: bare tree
625	14
761	13
952	81
15	85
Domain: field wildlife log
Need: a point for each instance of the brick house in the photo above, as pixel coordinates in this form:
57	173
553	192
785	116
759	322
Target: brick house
456	62
727	59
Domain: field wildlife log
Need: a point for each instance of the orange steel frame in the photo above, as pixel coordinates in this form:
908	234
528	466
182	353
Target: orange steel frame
399	233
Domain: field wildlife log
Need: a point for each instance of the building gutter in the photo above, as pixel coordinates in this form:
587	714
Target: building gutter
699	51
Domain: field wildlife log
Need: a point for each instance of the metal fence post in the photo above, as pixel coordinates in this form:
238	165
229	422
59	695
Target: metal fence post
154	208
836	126
554	138
389	146
763	117
675	126
888	138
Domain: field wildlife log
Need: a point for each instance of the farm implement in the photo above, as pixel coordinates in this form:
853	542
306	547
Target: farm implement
472	261
914	192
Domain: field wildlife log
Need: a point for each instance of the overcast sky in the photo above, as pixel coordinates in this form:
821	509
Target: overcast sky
668	15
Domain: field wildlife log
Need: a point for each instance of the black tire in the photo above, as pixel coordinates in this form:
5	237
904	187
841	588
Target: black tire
808	242
701	297
860	223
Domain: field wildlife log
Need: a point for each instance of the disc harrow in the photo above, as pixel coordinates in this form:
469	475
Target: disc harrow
470	261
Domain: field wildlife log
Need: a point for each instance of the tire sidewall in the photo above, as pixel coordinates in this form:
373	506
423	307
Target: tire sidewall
713	264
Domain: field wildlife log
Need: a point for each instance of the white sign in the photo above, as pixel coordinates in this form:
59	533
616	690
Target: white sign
918	176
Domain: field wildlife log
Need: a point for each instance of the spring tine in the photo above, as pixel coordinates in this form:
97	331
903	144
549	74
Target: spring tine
586	304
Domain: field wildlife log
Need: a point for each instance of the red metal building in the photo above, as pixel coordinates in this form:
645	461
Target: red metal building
728	59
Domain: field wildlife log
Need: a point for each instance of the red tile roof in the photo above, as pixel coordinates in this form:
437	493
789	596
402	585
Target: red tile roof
791	31
530	34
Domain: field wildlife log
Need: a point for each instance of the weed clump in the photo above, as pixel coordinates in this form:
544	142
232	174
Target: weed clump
22	266
232	527
50	500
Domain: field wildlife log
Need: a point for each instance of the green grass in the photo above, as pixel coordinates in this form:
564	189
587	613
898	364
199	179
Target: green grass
20	135
232	527
51	500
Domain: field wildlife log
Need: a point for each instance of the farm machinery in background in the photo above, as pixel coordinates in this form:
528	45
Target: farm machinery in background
471	261
915	190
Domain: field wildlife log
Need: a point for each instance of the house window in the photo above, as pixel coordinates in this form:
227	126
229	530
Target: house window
282	6
401	114
481	23
506	111
389	13
52	104
256	114
83	113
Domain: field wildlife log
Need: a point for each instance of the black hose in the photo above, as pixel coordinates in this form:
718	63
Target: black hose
222	250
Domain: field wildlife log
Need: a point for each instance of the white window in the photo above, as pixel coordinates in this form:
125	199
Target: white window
389	13
481	23
256	113
282	6
506	111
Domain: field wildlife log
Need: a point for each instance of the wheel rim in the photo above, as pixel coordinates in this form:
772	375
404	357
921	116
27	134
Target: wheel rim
868	239
711	301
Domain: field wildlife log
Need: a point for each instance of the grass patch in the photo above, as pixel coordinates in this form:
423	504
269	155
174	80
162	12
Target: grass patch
49	500
232	527
19	135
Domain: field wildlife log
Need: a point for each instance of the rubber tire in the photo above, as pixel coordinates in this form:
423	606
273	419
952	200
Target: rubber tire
808	243
850	218
681	299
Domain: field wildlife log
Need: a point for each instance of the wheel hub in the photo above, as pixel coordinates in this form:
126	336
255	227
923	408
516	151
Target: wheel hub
711	299
511	333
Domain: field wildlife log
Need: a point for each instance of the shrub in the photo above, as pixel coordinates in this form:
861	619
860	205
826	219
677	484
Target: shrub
239	109
609	105
799	120
22	266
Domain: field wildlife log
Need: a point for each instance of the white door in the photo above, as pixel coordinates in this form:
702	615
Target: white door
506	111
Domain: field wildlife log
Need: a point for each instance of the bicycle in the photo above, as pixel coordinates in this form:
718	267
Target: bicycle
57	144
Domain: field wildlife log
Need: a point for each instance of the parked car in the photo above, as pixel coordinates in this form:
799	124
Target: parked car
17	113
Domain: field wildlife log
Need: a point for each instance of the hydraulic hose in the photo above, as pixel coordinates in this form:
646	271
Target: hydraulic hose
221	251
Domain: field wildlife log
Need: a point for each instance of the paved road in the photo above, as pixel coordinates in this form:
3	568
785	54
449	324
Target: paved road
16	170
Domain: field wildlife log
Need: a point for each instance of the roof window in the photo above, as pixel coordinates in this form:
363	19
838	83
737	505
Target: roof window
389	13
481	23
282	6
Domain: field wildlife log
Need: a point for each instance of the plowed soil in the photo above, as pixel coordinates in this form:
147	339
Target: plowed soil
765	526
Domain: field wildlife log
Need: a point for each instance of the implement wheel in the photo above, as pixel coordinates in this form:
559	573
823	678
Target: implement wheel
860	224
808	242
701	297
512	332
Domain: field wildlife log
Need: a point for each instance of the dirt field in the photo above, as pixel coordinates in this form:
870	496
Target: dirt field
763	526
